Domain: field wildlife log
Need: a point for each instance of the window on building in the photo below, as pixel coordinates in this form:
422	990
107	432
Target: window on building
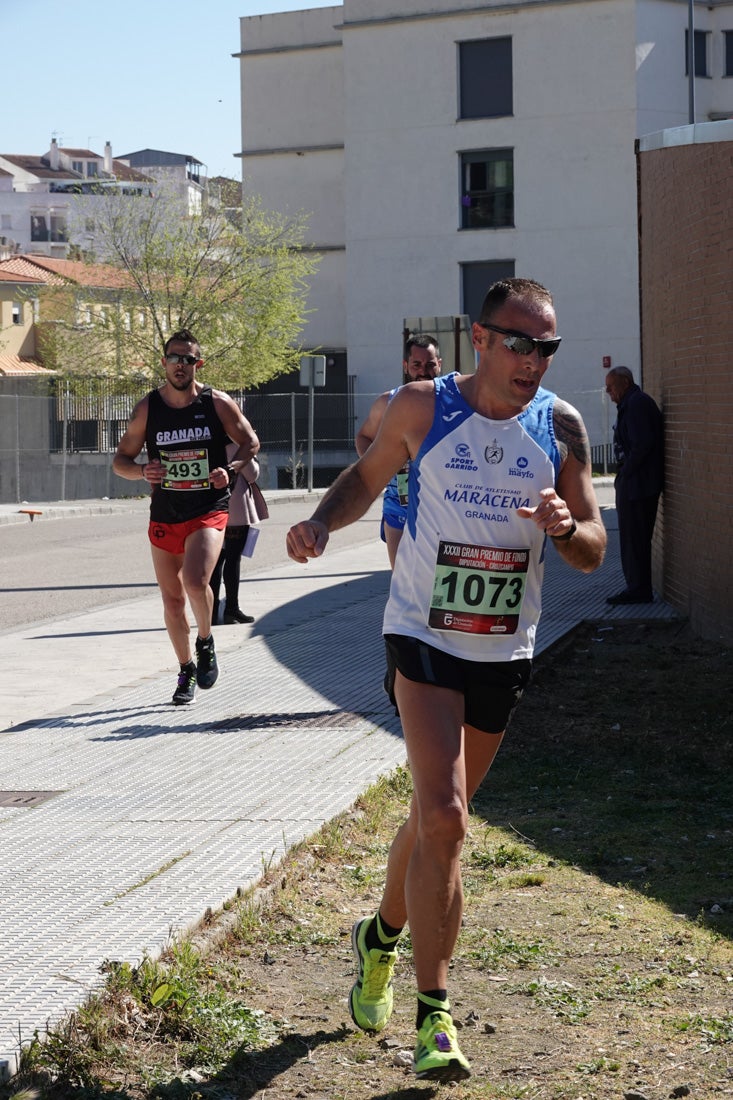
487	189
727	53
700	42
58	228
39	227
78	166
485	78
92	168
476	278
17	313
6	221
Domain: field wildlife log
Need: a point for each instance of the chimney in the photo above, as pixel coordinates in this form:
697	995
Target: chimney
53	156
108	157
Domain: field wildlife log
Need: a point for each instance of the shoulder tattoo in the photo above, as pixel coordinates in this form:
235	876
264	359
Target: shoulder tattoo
570	432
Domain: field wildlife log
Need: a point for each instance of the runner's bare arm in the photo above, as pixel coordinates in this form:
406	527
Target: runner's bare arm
569	513
132	443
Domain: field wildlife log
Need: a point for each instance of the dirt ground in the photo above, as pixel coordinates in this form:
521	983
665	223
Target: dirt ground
595	961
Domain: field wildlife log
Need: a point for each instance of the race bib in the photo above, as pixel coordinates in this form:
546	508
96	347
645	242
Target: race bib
402	480
185	469
478	589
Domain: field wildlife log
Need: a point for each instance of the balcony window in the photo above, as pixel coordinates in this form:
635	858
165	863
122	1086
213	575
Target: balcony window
58	228
487	189
39	227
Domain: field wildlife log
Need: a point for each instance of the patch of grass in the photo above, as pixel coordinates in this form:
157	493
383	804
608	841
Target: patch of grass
502	856
169	1002
499	950
562	999
599	1065
710	1029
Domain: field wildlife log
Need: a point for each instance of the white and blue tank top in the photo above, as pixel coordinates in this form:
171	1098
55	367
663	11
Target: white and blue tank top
468	573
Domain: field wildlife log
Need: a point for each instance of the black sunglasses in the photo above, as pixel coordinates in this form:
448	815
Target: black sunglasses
187	360
521	344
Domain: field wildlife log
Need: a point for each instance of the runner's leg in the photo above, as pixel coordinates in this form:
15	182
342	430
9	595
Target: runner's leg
168	574
200	555
480	750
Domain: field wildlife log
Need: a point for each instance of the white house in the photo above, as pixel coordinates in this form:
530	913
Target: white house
440	144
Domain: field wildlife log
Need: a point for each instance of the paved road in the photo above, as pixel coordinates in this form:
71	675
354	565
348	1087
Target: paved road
53	568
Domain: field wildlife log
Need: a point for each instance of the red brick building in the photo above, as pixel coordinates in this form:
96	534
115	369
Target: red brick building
685	192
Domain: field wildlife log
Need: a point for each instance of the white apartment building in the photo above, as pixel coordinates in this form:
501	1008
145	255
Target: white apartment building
439	144
38	193
39	212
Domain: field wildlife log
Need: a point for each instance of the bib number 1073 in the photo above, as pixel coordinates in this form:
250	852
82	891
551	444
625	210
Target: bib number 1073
478	589
465	591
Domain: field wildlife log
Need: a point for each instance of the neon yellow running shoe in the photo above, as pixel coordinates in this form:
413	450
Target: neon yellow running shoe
437	1054
370	1000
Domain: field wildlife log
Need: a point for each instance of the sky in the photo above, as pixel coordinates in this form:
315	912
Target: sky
142	74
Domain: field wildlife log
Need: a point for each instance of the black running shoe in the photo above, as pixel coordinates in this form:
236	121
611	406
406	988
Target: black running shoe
186	690
207	669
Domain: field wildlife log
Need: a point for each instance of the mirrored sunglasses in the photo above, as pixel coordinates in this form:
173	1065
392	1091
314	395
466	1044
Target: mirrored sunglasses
521	344
187	360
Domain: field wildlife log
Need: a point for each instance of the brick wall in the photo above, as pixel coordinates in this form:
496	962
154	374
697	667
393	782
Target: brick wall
686	274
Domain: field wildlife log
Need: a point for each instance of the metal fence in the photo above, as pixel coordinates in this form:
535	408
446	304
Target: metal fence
95	421
58	446
48	442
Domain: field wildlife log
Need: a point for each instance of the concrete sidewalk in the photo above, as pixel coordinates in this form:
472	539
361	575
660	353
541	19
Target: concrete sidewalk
125	819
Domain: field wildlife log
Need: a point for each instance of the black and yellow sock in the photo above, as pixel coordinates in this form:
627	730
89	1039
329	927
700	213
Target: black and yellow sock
432	1000
380	934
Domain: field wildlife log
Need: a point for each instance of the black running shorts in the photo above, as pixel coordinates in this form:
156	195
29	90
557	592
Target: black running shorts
491	689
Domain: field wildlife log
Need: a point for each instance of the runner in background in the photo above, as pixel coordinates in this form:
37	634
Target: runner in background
421	361
184	426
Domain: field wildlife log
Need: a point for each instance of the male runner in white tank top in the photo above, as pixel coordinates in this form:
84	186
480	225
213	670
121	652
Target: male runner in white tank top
499	467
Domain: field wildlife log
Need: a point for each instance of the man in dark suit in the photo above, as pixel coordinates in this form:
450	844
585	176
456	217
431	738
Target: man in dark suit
638	444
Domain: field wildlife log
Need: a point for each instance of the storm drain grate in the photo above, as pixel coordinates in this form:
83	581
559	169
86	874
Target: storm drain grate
308	719
26	798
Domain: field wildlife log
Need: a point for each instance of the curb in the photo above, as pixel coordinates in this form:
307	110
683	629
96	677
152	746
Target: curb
26	512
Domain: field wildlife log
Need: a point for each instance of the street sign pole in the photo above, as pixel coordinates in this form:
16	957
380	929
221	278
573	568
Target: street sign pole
312	374
311	403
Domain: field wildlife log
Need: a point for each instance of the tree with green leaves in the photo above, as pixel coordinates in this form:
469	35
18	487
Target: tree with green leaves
239	284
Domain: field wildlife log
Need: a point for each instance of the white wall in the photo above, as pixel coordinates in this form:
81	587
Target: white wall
292	108
589	77
572	132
